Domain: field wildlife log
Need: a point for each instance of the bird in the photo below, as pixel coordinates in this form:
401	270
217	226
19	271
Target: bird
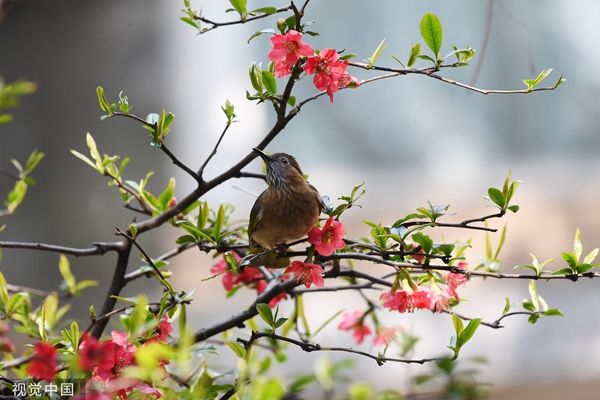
287	209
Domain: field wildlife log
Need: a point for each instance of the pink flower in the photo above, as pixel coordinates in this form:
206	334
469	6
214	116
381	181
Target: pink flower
354	320
230	278
384	336
287	50
164	329
329	238
261	285
403	301
7	346
330	72
43	364
454	280
306	273
440	300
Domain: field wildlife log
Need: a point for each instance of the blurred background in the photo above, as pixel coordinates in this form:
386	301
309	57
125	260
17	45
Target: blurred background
410	139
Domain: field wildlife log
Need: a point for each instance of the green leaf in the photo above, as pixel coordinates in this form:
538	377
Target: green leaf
506	306
32	161
591	256
514	208
458	324
91	143
571	260
424	241
532	83
269	82
415	50
65	271
497	197
301	382
577	245
380	48
266	314
237	348
553	312
469	331
432	33
104	106
264	10
240	7
83	158
348	56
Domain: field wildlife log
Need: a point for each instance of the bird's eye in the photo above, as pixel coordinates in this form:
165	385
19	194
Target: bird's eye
284	160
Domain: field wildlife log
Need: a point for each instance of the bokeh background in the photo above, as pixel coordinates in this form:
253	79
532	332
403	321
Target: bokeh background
410	139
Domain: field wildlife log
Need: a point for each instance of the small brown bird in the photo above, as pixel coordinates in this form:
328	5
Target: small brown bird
287	209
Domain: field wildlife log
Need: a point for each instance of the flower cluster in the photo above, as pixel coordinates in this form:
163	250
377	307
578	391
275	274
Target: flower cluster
330	73
431	298
43	362
103	361
249	276
355	321
306	273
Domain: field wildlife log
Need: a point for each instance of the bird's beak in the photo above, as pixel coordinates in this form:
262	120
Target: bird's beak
262	154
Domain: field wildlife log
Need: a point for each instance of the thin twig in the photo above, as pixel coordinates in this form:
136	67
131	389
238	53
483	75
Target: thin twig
484	44
430	72
200	172
215	24
310	347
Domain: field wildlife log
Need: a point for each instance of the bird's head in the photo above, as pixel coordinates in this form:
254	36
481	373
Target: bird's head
282	170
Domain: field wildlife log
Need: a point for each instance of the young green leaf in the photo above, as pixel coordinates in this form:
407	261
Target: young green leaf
415	50
432	33
269	81
266	314
532	83
380	48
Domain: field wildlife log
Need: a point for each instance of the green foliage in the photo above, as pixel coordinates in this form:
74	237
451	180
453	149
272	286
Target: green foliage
502	198
463	334
10	96
74	288
22	181
432	33
537	305
377	53
573	259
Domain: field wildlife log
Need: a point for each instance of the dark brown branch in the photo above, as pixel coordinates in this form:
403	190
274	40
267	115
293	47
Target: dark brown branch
144	271
215	24
310	347
144	207
146	258
98	249
180	164
239	319
242	174
116	285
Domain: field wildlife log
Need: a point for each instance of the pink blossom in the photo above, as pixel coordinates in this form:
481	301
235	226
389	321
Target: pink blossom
330	72
454	280
440	300
261	285
329	238
230	278
354	321
384	336
403	301
306	273
287	50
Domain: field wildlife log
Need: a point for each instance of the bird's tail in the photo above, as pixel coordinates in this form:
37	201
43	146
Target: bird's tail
260	256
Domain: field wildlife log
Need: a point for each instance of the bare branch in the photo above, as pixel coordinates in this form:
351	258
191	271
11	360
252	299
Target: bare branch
98	249
214	151
310	347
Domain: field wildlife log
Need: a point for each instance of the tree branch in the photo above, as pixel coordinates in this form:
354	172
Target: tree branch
117	283
215	24
214	151
98	249
310	347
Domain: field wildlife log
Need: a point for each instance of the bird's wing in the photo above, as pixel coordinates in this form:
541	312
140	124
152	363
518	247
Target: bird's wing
256	215
318	197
